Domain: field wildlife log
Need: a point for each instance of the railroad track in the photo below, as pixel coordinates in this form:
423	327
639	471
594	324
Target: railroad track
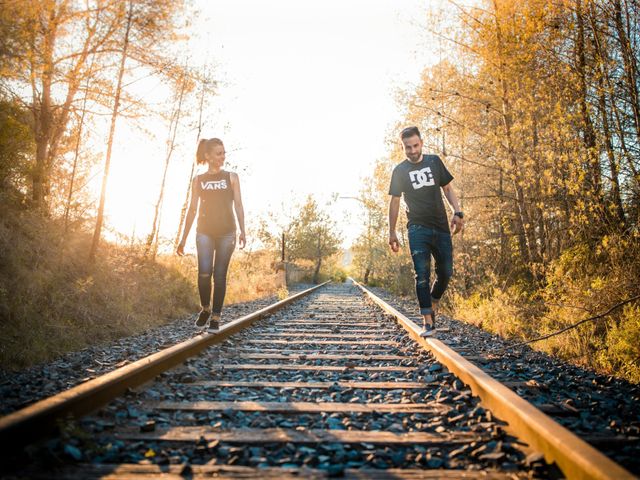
336	384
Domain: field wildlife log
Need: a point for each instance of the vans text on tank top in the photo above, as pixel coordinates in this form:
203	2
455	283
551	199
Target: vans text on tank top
215	212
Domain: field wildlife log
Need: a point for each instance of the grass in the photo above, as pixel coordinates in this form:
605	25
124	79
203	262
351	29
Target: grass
52	301
610	346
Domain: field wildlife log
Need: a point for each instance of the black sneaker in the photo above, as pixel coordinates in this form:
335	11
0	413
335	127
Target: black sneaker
203	316
214	325
428	329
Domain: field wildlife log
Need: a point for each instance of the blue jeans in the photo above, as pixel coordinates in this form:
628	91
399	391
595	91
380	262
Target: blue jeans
425	242
221	249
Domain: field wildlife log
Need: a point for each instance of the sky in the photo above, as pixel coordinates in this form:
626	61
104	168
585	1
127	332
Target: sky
305	100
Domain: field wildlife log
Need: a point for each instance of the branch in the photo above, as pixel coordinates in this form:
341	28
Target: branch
573	325
474	162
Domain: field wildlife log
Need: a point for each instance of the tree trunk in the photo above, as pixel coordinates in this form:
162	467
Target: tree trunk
76	153
604	83
175	121
524	226
114	115
539	213
631	75
589	135
630	66
611	157
187	198
316	271
50	129
43	114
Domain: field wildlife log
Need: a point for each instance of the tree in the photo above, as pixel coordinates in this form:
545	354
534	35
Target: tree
312	236
52	42
205	85
16	150
538	105
112	128
147	24
372	258
174	123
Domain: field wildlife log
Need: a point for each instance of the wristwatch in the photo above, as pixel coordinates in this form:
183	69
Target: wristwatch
459	214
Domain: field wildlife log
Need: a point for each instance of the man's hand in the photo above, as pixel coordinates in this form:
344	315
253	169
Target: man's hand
393	242
457	224
242	240
180	249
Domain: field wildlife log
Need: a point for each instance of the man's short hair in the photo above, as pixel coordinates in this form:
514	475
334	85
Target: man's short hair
410	132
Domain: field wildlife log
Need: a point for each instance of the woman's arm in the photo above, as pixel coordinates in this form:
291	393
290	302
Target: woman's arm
191	214
237	205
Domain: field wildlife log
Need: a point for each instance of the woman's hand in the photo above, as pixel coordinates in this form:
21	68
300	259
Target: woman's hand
242	240
180	249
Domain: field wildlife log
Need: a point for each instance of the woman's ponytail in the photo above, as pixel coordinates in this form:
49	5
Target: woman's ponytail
203	146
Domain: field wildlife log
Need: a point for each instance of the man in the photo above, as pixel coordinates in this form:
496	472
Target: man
420	178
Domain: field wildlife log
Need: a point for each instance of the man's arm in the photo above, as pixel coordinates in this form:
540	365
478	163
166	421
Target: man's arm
457	223
394	208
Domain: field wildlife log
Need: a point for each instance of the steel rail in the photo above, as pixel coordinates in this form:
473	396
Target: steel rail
575	457
39	419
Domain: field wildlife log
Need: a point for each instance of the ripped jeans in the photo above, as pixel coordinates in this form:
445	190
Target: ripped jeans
221	249
425	242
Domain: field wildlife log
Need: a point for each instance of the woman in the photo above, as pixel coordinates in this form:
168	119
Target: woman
213	195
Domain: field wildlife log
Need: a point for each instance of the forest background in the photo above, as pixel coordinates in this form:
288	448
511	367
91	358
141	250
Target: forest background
535	109
70	76
536	112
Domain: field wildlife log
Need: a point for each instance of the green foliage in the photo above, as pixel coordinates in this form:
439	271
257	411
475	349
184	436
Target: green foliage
373	261
582	283
16	150
310	236
623	340
52	51
312	233
339	275
53	302
585	281
504	312
546	170
282	293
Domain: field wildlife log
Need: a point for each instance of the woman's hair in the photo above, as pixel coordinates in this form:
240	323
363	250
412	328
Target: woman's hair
204	146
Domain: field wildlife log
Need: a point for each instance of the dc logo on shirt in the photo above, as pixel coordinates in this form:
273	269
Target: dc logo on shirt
213	185
422	178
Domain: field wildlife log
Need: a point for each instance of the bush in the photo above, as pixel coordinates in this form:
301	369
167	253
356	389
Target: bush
623	340
503	312
583	282
339	275
52	301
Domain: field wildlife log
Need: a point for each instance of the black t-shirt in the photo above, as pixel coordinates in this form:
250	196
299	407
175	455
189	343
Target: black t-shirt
420	182
215	214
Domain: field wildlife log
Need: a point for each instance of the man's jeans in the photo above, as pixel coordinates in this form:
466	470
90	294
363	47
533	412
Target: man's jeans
423	243
221	249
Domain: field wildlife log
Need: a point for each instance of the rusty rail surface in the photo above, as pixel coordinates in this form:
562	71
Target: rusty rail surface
575	457
40	419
